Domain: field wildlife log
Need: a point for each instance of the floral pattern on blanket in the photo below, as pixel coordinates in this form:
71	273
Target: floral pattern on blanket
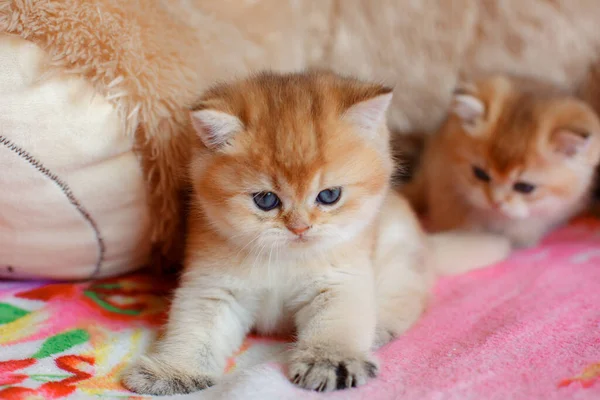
589	377
59	340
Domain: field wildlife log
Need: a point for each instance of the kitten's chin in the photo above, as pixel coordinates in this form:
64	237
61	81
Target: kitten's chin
300	242
517	213
503	214
310	244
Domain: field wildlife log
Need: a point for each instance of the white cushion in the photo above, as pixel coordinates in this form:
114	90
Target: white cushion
72	199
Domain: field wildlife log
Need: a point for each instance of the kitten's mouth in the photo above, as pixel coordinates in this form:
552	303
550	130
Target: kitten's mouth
498	212
299	240
508	214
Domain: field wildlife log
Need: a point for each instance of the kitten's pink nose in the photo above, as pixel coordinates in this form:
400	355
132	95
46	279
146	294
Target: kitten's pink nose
495	201
298	229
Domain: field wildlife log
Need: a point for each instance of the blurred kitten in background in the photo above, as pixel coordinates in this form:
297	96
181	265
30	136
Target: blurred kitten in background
515	157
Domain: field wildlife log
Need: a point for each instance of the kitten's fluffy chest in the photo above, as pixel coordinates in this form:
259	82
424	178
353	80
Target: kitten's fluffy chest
275	285
278	304
282	287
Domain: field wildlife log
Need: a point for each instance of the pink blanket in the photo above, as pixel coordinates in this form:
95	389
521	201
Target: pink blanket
528	328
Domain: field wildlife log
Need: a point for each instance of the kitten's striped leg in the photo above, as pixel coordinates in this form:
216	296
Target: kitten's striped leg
335	334
206	325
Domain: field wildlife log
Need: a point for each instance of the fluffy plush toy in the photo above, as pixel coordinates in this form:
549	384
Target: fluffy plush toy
72	199
90	83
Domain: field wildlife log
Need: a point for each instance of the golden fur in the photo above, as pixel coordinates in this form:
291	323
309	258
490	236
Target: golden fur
517	133
151	57
346	275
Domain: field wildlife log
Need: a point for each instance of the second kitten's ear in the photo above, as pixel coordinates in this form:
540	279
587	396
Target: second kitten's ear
570	142
467	106
368	115
215	128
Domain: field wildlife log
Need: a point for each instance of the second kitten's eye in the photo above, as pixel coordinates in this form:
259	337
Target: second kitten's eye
266	201
329	197
481	174
523	187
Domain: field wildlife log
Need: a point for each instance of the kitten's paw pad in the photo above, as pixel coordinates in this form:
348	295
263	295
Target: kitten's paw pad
150	377
327	373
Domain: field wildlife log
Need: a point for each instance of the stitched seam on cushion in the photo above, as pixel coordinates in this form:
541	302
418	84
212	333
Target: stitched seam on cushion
67	192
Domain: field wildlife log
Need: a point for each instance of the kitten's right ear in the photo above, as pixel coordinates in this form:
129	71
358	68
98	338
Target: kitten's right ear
570	142
467	106
368	115
215	128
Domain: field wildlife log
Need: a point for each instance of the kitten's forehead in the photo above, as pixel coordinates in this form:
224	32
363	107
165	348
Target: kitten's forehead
295	135
512	140
301	171
298	189
293	125
289	152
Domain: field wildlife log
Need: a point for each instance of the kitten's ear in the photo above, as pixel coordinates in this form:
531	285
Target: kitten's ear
570	142
467	106
215	128
368	115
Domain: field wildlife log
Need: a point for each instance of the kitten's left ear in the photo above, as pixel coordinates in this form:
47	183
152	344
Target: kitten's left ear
368	115
215	128
468	106
570	142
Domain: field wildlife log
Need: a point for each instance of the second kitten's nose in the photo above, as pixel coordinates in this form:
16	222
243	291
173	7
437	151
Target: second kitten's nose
298	229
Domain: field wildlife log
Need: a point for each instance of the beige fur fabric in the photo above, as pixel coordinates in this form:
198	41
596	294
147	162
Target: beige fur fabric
151	58
423	47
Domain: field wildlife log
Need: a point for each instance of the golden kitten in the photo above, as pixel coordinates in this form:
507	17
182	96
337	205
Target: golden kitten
515	156
295	230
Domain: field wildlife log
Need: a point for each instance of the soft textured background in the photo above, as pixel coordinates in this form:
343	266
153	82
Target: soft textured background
528	328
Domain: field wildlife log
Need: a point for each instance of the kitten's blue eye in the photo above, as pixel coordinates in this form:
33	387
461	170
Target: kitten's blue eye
523	187
266	201
329	197
481	174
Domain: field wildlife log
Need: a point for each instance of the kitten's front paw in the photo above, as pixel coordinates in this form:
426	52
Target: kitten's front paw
323	371
151	376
